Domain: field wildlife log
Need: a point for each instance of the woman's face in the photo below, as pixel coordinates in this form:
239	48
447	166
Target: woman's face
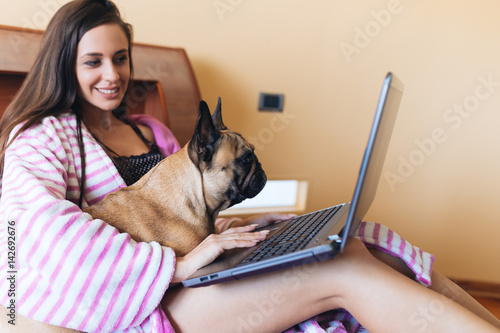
102	67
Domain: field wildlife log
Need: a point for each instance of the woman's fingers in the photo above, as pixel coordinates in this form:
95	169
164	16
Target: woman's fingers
267	218
236	237
212	246
245	228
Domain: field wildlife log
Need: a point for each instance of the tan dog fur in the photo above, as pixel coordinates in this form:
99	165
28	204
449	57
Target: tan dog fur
176	203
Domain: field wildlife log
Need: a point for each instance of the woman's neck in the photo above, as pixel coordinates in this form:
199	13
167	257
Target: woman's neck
97	119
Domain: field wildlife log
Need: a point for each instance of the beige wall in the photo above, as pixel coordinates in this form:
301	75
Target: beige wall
440	187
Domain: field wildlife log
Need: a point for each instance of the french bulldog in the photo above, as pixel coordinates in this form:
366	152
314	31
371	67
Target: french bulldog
177	202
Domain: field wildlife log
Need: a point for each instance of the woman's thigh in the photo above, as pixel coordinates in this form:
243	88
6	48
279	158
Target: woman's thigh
268	303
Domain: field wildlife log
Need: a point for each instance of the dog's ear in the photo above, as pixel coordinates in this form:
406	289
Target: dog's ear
201	146
217	117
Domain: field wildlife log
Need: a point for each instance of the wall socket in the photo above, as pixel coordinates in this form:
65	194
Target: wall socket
271	102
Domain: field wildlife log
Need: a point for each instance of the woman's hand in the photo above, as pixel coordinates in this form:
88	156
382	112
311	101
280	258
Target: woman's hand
262	220
213	246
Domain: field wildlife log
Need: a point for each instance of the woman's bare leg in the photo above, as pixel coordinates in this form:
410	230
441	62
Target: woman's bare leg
268	303
382	299
448	288
442	285
393	303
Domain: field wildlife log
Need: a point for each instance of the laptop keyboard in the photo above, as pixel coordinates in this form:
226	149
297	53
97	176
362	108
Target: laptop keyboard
293	237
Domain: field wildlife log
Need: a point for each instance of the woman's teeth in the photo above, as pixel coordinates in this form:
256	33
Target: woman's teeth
106	91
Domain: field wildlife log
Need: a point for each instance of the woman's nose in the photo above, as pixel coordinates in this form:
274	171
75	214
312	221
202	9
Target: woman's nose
110	72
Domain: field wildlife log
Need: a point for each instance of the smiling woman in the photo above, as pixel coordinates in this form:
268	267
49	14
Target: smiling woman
52	78
48	129
102	69
103	72
81	273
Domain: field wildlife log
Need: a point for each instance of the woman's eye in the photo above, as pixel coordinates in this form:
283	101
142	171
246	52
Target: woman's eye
121	60
92	63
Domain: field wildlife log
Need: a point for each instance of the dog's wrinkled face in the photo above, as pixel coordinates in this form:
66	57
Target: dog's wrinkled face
230	169
236	159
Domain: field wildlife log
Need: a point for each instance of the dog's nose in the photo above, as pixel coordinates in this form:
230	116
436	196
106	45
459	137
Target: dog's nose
257	183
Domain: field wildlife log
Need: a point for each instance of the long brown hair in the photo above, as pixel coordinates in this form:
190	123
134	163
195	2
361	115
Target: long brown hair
50	88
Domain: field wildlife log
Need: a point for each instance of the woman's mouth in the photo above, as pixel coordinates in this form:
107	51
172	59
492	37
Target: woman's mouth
108	91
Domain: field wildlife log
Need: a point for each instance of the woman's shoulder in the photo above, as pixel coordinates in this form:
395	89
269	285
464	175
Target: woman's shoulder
48	127
63	120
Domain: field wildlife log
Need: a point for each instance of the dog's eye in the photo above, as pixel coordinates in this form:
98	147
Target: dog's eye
247	158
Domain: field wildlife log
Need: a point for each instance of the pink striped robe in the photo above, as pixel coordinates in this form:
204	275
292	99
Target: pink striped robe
74	271
80	273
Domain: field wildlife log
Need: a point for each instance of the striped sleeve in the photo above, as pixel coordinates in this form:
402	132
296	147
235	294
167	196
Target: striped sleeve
73	271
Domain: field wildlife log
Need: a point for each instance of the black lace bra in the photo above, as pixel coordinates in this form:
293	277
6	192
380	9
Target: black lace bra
132	168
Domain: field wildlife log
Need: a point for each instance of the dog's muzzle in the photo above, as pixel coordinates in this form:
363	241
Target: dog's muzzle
254	182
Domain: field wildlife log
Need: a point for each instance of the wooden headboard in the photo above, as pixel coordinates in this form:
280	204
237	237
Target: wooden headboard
164	83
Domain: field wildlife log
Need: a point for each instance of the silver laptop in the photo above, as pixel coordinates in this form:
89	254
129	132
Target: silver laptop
318	235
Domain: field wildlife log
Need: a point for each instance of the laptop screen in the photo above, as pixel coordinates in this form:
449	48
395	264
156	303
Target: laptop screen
374	157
